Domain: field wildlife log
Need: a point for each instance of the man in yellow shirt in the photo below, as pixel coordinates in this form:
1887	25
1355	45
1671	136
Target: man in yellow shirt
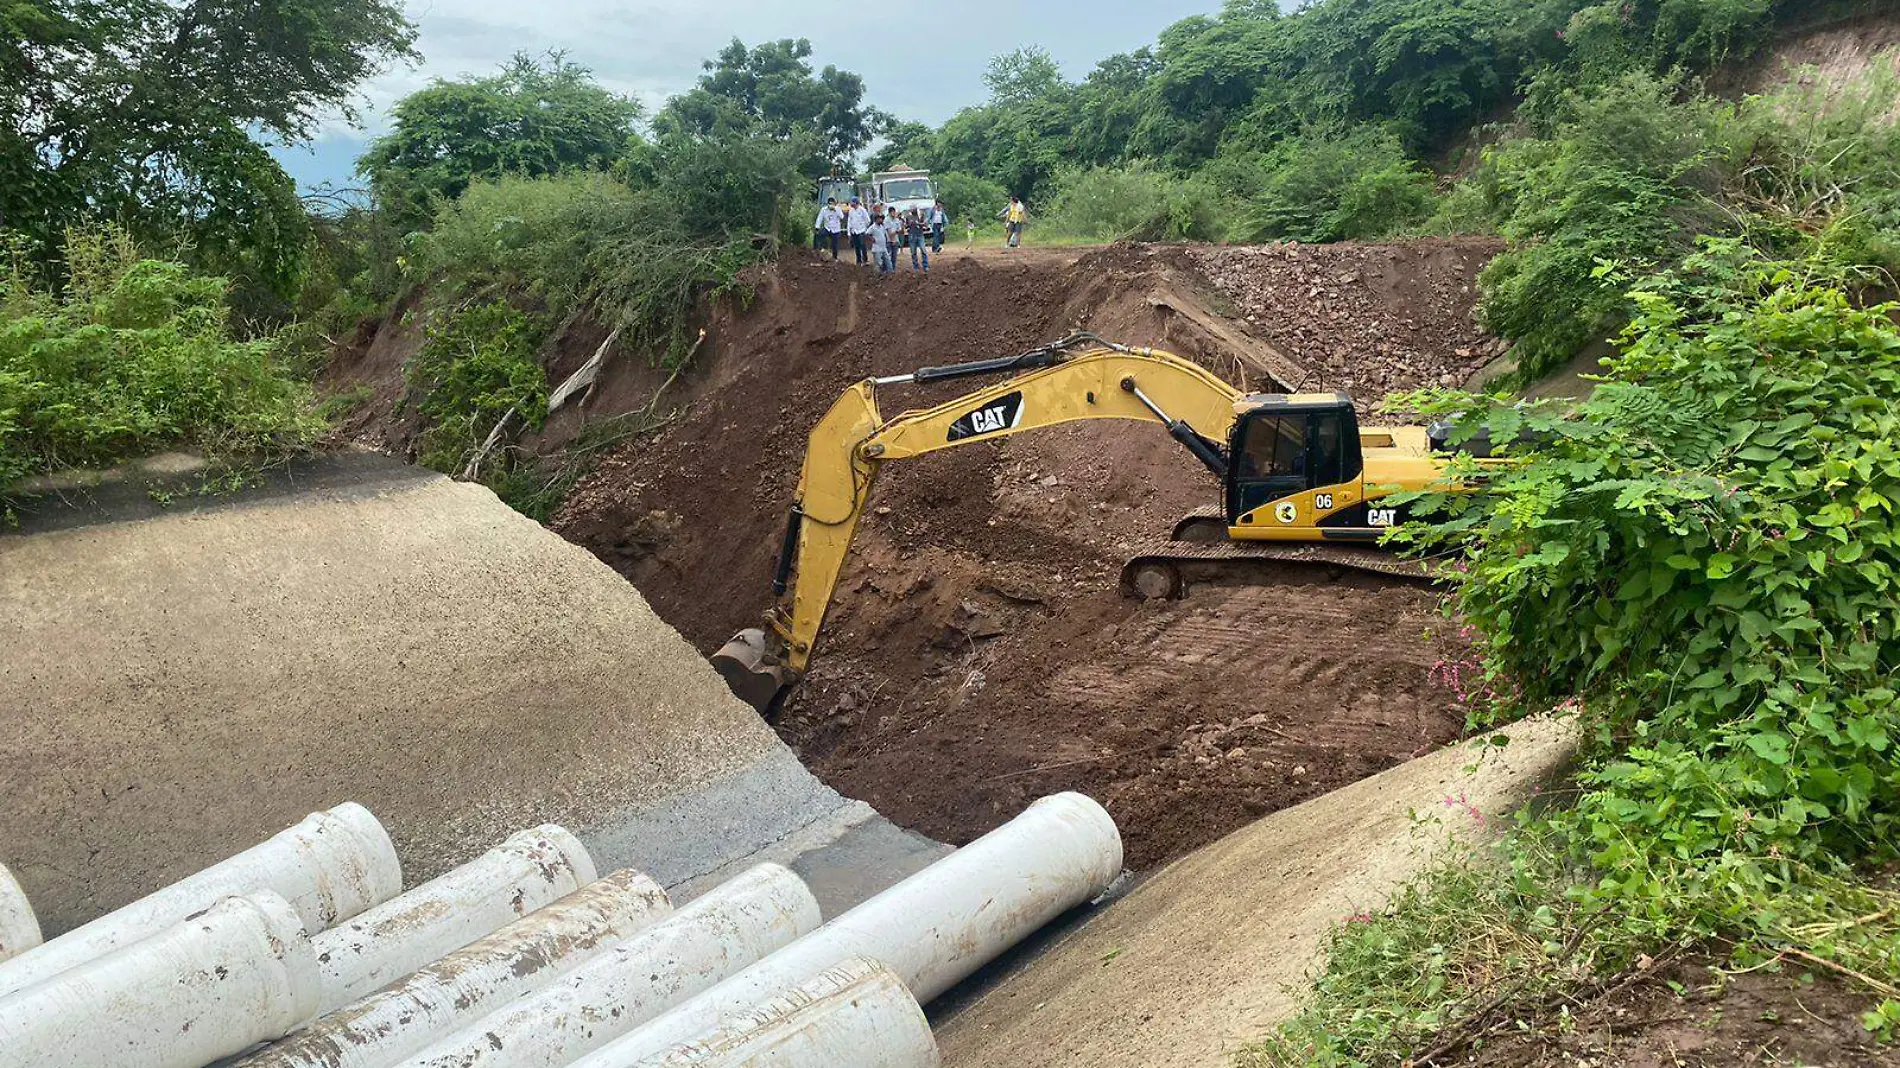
1015	215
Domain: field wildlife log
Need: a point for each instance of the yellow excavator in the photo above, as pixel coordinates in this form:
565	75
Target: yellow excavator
1303	481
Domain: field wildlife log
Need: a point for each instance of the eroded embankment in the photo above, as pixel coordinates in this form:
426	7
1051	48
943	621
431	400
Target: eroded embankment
978	653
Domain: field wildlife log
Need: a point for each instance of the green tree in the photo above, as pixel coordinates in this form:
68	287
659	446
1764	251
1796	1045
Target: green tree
1207	73
1023	135
772	91
970	199
905	142
1027	74
1359	184
1108	105
535	117
144	111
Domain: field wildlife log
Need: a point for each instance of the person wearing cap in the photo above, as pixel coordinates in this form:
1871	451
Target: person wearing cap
881	252
858	223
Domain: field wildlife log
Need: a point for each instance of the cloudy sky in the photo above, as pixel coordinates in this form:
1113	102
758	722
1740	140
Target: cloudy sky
919	60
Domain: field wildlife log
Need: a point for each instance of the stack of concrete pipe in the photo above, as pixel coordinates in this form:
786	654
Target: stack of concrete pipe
304	953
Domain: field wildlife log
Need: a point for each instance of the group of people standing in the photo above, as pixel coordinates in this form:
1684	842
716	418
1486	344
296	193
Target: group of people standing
877	232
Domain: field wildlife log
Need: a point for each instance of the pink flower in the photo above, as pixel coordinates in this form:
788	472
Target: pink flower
1461	801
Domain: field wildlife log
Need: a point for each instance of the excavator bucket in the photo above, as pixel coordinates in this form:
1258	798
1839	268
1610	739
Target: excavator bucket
745	664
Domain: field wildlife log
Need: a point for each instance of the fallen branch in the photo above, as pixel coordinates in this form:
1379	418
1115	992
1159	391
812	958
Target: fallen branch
1886	989
584	378
475	461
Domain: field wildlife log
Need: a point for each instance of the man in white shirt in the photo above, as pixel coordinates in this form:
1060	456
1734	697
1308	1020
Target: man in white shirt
830	224
859	223
829	227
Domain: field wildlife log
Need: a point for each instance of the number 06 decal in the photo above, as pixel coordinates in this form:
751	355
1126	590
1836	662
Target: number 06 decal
1323	502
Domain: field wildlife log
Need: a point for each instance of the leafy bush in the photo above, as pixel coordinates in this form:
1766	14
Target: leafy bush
1632	172
583	241
1136	201
1327	188
476	364
1627	175
968	198
1705	552
1701	562
131	357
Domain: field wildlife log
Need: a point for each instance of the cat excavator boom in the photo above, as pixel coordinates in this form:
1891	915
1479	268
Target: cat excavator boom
1302	480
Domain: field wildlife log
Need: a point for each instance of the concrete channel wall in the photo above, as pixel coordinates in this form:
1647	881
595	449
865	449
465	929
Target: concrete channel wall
181	682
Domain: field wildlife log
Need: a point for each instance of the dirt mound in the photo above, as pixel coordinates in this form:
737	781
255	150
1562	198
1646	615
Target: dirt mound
1363	319
977	653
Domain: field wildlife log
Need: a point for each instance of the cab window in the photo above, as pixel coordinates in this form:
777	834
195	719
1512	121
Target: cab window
1275	447
1329	449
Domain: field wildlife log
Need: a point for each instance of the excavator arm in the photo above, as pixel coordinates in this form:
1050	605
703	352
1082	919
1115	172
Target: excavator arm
1076	379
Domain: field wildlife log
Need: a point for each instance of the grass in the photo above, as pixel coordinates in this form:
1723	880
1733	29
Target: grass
1474	941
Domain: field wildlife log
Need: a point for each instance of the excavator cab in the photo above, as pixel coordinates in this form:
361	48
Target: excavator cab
1289	452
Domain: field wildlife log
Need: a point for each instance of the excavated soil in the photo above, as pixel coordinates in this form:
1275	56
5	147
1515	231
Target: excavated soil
978	653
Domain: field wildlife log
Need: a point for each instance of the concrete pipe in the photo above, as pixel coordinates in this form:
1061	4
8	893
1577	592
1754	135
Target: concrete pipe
529	870
932	929
330	867
857	1015
738	923
236	974
19	928
457	990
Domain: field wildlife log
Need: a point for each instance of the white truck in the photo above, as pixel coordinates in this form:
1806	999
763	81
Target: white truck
904	188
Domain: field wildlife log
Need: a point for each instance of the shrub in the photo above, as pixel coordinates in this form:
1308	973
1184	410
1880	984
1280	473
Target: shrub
1705	552
1632	172
1359	185
1629	175
131	357
970	199
584	242
1135	201
476	364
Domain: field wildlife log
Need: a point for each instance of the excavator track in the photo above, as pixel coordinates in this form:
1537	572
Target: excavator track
1201	554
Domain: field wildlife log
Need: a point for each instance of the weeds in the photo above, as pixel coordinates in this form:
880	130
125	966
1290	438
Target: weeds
1473	942
134	356
584	243
1137	202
